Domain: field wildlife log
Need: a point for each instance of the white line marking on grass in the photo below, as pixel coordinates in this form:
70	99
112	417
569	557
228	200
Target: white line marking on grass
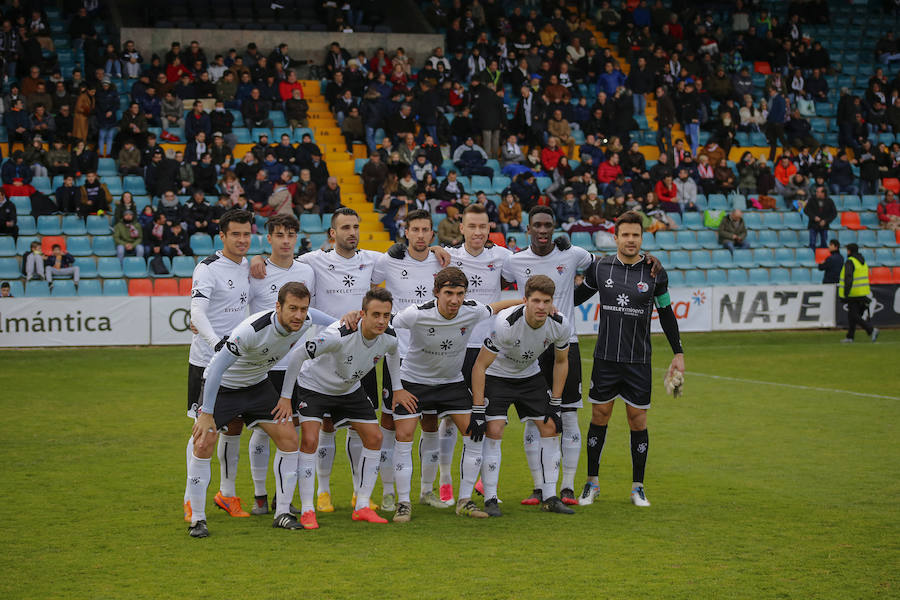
776	383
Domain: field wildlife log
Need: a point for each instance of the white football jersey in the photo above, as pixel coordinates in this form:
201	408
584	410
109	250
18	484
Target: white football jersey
341	283
484	273
518	346
437	346
559	265
264	292
222	288
338	358
410	281
259	342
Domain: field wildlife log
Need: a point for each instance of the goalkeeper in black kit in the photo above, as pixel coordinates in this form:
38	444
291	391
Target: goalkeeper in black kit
621	368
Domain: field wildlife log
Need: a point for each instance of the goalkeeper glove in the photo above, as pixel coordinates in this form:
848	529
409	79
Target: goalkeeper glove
477	423
674	383
554	411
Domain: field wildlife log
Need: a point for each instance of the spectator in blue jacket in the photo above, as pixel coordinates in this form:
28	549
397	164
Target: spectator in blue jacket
567	210
775	122
107	103
196	122
16	169
841	178
8	217
18	124
610	79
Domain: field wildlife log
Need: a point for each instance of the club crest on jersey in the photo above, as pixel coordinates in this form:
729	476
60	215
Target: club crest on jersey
375	360
462	330
362	266
491	267
642	286
560	269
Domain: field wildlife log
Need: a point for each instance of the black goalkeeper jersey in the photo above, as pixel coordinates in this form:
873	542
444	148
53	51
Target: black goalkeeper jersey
627	293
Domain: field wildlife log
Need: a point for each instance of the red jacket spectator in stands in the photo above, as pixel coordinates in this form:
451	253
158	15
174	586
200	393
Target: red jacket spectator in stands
667	194
551	154
609	170
889	212
784	170
286	88
176	70
380	63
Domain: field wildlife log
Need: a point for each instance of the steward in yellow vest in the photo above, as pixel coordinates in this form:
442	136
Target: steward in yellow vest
854	290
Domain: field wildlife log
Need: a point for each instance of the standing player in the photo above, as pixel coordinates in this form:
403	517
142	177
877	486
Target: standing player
329	384
439	331
281	268
237	386
559	261
219	295
506	372
621	369
408	271
482	262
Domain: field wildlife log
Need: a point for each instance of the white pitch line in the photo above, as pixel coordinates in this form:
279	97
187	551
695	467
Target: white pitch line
776	384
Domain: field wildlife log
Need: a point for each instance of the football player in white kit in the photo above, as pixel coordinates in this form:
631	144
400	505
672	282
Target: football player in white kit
506	373
408	271
431	373
482	262
281	268
219	295
238	387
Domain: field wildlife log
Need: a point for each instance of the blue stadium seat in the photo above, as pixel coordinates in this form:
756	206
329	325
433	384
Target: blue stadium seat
358	165
7	246
693	220
103	245
768	239
801	276
48	225
786	257
73	225
792	239
317	239
201	244
42	184
110	268
582	239
779	276
716	277
22	204
847	236
278	120
753	221
258	131
135	185
884	257
765	257
852	203
687	240
326	221
301	131
255	245
708	239
743	258
466	182
772	220
794	220
279	130
870	202
886	238
23	244
134	266
542	182
63	287
16	288
90	287
79	246
167	262
702	259
501	182
114	185
679	259
648	244
98	225
737	277
676	278
480	183
105	168
183	266
722	259
311	223
26	225
867	238
695	277
758	276
9	268
242	135
115	287
718	202
88	266
217	243
666	240
37	289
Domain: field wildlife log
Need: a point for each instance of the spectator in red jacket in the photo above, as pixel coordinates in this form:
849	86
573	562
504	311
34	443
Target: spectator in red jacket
889	212
380	63
551	154
784	170
175	70
667	194
286	88
609	170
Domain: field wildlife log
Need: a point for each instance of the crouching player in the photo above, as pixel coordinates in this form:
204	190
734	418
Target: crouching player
237	385
506	372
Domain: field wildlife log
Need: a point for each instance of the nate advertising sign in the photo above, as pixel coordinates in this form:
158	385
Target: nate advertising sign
773	307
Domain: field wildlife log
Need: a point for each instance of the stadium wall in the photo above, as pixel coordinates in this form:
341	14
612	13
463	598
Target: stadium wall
302	45
130	321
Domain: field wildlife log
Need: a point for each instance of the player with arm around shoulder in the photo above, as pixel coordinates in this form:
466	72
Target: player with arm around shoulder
506	373
237	385
434	387
628	292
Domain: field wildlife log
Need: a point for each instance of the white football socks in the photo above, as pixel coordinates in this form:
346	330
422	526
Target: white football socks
198	476
306	471
258	448
325	460
549	459
429	455
403	465
469	466
490	468
531	439
388	438
570	440
228	451
367	468
447	434
353	447
285	471
188	454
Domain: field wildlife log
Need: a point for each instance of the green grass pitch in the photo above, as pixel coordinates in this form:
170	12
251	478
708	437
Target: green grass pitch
780	490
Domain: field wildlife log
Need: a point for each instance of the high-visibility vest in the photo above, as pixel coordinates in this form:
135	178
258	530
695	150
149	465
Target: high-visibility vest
859	288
